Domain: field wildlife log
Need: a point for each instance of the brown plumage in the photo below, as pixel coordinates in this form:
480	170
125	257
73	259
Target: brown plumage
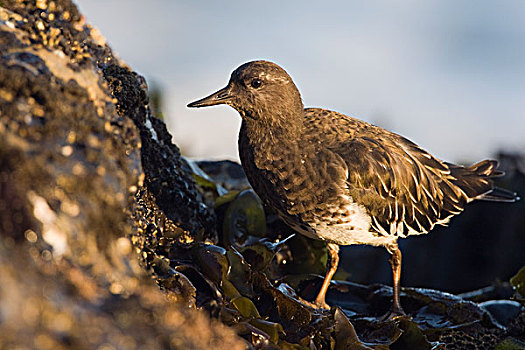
340	179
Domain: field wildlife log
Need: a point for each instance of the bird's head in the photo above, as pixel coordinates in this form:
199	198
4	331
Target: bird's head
258	90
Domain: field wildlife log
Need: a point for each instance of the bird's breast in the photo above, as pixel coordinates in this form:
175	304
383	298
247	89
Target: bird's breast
306	186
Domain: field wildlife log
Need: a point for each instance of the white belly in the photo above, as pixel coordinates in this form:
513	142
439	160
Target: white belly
355	228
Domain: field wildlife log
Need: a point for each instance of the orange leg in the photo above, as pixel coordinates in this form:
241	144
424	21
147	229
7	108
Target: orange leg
333	254
395	263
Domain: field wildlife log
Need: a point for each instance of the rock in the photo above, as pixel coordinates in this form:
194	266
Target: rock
502	311
79	153
228	174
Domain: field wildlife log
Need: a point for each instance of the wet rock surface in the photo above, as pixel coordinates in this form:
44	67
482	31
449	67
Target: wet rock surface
109	239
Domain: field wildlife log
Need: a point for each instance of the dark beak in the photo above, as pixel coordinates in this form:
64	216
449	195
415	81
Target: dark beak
222	96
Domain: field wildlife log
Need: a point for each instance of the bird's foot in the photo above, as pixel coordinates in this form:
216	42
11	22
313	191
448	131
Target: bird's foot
393	314
315	304
320	301
321	305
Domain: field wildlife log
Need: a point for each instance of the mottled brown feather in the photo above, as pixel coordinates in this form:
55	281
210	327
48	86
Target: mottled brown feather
337	178
397	181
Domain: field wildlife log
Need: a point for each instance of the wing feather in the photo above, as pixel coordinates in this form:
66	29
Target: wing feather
404	188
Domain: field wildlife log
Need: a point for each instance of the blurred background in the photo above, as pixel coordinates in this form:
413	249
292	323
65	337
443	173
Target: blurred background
448	75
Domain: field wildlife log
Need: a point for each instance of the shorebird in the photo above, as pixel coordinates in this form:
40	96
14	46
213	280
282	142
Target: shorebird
339	179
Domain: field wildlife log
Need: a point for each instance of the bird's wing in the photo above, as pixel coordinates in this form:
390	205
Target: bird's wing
404	188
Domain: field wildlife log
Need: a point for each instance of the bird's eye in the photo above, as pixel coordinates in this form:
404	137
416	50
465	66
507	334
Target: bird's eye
256	83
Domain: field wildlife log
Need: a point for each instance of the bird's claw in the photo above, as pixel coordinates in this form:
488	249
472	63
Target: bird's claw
393	315
315	304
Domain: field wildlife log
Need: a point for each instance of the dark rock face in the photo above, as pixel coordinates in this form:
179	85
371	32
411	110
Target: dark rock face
167	176
75	148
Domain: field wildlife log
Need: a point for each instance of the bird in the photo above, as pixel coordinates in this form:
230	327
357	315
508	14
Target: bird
342	180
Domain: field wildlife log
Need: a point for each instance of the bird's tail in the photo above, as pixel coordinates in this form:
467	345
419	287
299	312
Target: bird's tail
477	181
